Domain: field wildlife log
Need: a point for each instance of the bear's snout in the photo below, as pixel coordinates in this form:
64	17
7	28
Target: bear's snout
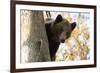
63	40
62	37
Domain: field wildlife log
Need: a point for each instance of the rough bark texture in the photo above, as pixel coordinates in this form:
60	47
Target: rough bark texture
34	43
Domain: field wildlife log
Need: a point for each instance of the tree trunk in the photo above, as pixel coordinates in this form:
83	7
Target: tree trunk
34	43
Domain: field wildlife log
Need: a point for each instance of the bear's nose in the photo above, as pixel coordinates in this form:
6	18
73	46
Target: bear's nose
62	41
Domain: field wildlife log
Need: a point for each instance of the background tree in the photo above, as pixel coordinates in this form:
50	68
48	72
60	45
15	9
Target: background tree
34	42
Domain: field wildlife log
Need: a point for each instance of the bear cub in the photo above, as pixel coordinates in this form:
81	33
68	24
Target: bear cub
57	32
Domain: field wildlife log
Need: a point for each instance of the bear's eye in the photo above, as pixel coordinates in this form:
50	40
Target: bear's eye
60	30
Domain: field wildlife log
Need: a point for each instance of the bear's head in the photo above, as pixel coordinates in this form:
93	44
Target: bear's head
62	28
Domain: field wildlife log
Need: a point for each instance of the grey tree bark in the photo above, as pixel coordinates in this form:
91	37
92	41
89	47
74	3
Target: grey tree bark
34	42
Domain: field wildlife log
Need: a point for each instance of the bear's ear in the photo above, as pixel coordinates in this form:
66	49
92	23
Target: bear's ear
73	25
58	19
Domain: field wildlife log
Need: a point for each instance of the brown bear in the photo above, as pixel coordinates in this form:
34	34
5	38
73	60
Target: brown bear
58	31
